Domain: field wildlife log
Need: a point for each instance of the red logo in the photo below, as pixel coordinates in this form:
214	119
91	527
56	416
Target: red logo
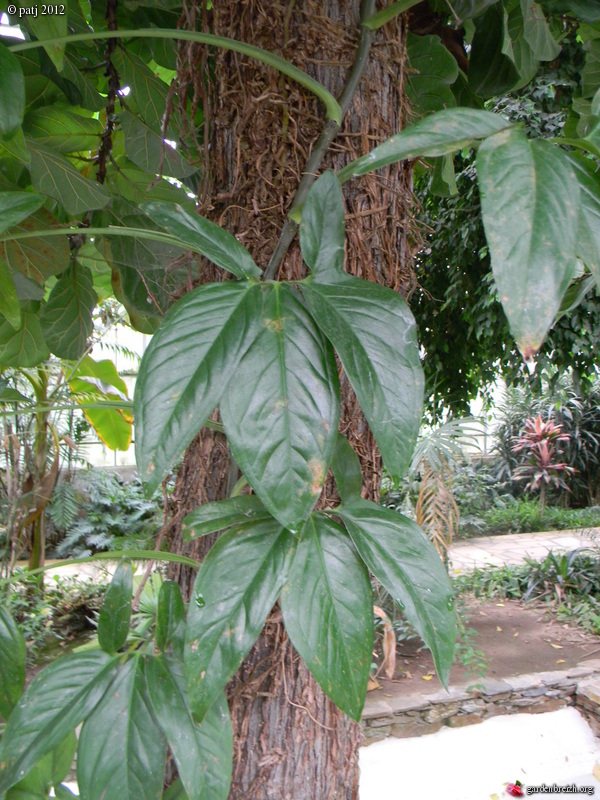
515	789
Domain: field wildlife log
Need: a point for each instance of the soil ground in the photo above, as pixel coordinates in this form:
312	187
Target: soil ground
515	638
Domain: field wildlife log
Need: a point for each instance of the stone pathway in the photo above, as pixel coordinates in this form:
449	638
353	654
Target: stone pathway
513	548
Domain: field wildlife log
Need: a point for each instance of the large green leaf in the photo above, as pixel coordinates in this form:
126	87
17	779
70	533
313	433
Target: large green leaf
400	556
58	699
373	332
170	618
587	244
530	211
213	517
95	381
91	99
60	129
214	242
48	772
327	608
9	299
491	72
281	408
203	753
12	663
24	347
66	319
323	227
516	47
428	87
467	9
113	623
48	26
17	206
121	751
346	469
435	135
185	370
235	590
148	92
537	32
39	257
12	97
145	148
53	175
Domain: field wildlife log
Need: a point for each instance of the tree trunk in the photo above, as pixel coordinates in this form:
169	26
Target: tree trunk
290	741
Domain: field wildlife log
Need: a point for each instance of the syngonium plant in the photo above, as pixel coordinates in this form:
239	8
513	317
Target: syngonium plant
263	352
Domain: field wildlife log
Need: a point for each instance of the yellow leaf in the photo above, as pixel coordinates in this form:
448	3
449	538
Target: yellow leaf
555	646
371	685
498	628
560	661
427	677
501	605
516	634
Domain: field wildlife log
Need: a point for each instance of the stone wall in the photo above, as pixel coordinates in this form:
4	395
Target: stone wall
404	716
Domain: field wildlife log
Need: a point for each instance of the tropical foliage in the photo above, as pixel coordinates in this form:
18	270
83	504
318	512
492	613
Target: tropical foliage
83	193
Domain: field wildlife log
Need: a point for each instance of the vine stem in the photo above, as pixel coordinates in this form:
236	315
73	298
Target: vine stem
328	134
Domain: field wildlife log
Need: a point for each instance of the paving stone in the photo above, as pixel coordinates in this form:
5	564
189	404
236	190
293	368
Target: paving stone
462	721
552	678
580	671
494	688
376	707
590	690
440	712
525	681
535	691
402	702
525	702
548	704
415	729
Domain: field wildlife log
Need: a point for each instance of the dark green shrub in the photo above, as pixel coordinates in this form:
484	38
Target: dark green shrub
108	513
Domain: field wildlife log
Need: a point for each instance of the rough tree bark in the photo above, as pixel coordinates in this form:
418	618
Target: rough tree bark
290	740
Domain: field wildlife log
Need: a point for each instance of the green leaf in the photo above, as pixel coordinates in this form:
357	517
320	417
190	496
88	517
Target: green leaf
436	135
185	368
9	300
24	347
203	753
374	334
587	242
170	618
346	469
490	71
204	237
115	614
443	178
530	209
12	97
428	88
63	131
517	48
590	75
121	751
400	556
148	92
213	517
467	9
16	206
48	27
145	148
327	608
58	699
537	32
323	227
15	147
66	319
53	175
100	379
39	257
235	590
281	408
12	663
91	99
48	772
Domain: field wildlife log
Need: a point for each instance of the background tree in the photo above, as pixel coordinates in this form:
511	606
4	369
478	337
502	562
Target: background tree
250	142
